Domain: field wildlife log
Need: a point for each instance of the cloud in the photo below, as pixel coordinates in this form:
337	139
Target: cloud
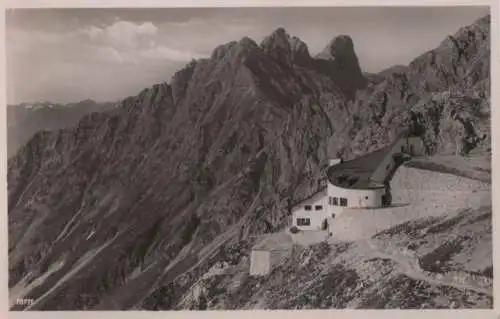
202	36
92	31
125	41
98	62
104	62
121	42
162	52
122	34
109	54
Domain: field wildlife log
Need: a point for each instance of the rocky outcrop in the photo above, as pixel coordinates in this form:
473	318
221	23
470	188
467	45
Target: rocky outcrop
138	202
343	64
428	95
286	49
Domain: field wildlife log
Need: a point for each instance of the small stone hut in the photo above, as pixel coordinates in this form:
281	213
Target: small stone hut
270	252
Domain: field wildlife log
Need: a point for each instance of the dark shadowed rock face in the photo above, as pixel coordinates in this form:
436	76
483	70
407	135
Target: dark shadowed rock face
340	48
339	58
129	207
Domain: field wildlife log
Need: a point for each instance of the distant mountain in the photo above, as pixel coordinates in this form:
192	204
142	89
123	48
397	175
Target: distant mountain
376	78
24	120
128	209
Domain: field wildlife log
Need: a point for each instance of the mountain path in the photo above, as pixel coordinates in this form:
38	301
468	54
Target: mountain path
408	263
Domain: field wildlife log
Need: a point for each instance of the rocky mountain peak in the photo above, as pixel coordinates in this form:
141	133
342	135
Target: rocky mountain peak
283	47
220	51
300	51
234	49
248	43
341	46
278	37
339	59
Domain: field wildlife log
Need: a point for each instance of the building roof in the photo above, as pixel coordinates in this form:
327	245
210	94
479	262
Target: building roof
322	192
356	173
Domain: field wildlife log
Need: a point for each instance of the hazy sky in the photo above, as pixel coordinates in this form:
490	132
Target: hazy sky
67	55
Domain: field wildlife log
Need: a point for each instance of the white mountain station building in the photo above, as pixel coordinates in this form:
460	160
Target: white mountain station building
361	183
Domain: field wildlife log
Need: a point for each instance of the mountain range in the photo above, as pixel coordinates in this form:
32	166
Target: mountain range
128	208
25	119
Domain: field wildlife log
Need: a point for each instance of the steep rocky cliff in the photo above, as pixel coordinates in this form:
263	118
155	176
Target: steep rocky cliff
443	94
129	207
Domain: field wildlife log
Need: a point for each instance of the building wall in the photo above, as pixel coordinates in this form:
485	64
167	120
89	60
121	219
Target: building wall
263	261
260	263
356	198
315	217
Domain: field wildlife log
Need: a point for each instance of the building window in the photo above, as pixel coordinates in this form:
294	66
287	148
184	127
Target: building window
366	197
318	207
403	149
343	201
335	201
303	221
308	207
333	215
